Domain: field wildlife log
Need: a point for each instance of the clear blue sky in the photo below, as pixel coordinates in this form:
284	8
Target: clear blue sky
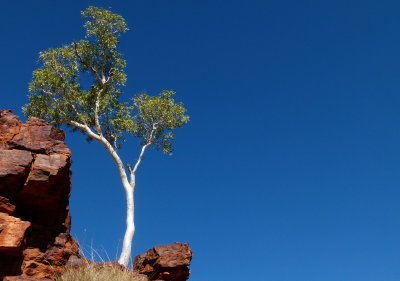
289	168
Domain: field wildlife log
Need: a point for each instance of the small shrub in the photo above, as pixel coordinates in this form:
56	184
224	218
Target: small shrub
90	271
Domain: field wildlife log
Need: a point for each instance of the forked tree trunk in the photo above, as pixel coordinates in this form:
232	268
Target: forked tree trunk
129	188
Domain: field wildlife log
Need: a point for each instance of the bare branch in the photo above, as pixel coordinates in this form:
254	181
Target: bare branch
115	139
149	142
96	111
86	130
150	138
129	168
140	159
103	64
155	127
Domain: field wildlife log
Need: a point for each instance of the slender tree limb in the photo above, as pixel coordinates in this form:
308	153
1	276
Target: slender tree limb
140	158
78	115
129	168
94	71
115	139
64	89
50	94
149	142
103	63
96	111
86	129
72	105
103	83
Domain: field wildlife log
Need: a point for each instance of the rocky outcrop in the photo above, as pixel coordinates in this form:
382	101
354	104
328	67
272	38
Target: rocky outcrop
35	223
165	262
35	184
161	263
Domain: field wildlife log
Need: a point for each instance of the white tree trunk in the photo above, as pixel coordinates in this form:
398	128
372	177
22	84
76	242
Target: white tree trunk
129	188
130	225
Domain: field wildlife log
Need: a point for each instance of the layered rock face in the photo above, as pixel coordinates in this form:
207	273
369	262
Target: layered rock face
165	262
35	184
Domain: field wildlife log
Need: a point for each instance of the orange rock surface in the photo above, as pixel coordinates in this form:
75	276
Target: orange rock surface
165	262
35	184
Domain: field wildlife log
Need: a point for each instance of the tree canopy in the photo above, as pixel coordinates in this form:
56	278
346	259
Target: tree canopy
57	93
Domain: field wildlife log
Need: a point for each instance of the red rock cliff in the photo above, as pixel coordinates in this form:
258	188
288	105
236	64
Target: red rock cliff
35	184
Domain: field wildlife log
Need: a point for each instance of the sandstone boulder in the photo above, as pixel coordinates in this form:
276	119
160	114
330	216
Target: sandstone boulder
165	262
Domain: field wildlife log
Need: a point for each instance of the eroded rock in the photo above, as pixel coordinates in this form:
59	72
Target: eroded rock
12	234
165	262
35	184
6	206
35	223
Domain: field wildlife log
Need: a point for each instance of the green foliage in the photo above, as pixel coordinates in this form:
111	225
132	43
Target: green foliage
156	118
57	93
104	25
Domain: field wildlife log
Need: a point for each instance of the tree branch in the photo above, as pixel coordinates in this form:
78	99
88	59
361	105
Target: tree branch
50	94
129	168
114	136
94	71
150	142
96	111
140	158
103	64
86	129
72	105
58	71
103	83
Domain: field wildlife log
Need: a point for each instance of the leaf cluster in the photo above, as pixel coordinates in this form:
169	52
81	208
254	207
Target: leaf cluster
82	83
157	117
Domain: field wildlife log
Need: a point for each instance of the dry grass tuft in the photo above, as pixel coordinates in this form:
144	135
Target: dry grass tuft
100	272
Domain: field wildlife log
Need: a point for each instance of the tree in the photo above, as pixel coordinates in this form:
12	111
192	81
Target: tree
57	95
